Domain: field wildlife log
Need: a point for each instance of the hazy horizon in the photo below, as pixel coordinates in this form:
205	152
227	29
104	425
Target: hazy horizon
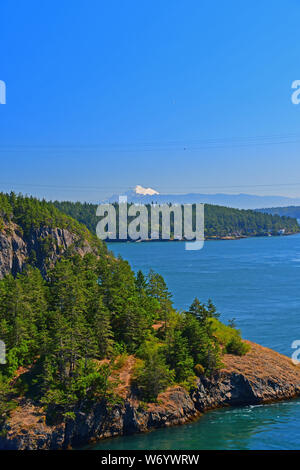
182	98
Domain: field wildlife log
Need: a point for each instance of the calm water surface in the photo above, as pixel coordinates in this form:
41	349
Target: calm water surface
255	281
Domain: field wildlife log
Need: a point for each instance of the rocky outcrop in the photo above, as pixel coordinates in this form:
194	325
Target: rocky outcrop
261	376
41	247
28	428
13	251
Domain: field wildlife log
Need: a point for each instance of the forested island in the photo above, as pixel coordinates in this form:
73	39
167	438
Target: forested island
219	222
95	350
289	211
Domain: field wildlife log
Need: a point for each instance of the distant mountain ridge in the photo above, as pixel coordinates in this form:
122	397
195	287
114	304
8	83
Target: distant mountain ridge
238	201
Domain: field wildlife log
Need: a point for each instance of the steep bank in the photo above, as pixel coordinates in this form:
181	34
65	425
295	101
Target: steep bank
41	247
261	376
34	232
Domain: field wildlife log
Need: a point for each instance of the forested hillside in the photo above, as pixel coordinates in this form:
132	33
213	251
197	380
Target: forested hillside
36	232
219	221
93	309
30	213
289	211
66	332
224	221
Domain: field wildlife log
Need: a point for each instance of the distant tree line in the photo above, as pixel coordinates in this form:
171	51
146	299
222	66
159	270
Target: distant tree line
289	211
219	221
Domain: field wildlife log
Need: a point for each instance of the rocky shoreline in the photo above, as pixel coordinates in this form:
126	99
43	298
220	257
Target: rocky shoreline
262	376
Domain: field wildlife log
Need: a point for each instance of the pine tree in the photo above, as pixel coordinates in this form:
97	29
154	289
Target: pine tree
199	311
157	288
141	283
177	354
102	330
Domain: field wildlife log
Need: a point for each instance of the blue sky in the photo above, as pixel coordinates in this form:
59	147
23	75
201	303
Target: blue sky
180	96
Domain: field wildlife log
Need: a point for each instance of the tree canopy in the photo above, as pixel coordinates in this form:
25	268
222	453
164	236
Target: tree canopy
219	221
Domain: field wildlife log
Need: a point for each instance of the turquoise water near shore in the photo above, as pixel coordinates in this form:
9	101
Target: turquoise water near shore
255	280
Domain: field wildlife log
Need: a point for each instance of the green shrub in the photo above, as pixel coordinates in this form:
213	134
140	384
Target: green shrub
199	370
152	375
237	346
229	338
190	383
152	378
120	361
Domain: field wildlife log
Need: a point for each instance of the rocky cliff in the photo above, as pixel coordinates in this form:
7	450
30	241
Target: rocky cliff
41	247
261	376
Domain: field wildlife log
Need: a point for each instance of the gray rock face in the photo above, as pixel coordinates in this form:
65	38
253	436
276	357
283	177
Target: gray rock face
13	252
236	389
44	245
35	440
224	389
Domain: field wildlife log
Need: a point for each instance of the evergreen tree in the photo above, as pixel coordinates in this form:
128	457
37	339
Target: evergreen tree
157	289
141	283
199	311
177	354
152	375
101	326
